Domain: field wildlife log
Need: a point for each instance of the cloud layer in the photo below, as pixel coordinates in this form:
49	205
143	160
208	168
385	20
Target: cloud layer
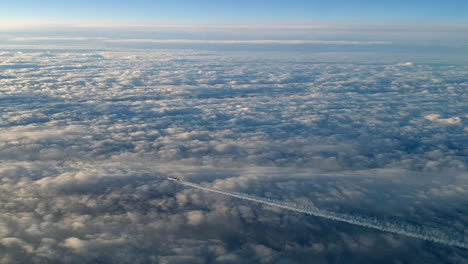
88	137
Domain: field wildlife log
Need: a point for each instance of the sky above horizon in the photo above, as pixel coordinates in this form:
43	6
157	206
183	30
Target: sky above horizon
233	12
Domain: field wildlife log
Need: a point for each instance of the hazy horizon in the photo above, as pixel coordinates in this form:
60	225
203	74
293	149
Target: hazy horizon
353	111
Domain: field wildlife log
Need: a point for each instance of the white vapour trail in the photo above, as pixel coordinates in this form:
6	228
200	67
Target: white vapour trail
429	234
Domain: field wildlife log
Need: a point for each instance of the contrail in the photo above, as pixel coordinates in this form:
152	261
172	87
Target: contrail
406	229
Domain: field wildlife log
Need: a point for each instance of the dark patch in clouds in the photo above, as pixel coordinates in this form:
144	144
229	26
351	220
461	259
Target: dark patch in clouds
88	137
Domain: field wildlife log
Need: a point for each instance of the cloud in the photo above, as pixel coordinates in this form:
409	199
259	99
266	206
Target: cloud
88	137
54	38
267	42
406	64
75	244
446	121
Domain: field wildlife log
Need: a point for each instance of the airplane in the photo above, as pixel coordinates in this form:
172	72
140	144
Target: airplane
173	178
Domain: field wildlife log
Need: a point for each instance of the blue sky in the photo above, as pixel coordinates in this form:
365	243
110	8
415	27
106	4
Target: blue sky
233	11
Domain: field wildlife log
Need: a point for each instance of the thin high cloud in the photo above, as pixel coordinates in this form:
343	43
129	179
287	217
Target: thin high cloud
196	41
52	38
268	42
437	34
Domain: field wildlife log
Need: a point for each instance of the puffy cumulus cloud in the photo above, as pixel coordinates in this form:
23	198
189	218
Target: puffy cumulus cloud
446	121
87	138
75	244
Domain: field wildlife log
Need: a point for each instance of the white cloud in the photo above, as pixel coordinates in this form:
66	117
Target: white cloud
268	42
16	242
54	38
446	121
88	137
195	217
406	64
75	244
